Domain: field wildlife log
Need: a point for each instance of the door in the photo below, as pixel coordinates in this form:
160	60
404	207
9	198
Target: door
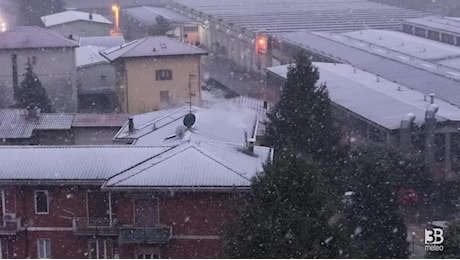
146	212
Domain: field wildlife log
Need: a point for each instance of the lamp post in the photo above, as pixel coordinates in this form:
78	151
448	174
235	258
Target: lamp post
413	243
116	10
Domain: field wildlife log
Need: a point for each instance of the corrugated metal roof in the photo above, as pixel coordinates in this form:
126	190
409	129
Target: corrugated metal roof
102	41
153	46
72	16
296	15
22	37
70	162
15	124
382	102
147	15
194	165
99	120
410	73
89	55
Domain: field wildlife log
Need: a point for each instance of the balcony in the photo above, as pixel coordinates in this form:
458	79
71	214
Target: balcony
9	224
95	226
145	235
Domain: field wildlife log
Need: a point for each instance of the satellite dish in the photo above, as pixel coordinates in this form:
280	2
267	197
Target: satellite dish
180	131
189	120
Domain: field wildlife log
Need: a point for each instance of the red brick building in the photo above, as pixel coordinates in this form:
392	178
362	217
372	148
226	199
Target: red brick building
129	201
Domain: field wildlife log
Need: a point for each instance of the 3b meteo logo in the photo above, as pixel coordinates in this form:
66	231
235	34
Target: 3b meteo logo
433	240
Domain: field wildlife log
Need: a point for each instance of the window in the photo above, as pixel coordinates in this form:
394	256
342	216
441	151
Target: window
164	97
100	249
163	75
190	29
103	80
147	256
41	202
44	248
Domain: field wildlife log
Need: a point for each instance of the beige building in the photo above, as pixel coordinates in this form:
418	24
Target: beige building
156	72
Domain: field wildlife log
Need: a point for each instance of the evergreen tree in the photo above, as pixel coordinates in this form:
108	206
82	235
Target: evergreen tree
303	116
287	215
375	174
30	11
161	27
31	93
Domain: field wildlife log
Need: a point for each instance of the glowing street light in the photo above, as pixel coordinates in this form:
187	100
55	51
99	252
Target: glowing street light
3	26
116	10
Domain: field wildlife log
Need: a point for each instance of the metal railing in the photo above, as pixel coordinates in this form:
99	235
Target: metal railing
92	226
9	225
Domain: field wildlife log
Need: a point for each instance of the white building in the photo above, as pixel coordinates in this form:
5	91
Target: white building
77	23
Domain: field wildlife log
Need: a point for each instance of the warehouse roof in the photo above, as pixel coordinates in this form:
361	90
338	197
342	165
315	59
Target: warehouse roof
72	16
147	15
447	24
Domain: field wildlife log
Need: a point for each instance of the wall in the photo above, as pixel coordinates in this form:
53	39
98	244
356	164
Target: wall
55	68
196	219
94	135
82	28
89	79
142	92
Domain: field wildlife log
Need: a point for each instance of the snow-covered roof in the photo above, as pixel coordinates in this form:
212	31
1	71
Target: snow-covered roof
89	55
147	15
414	73
407	44
296	15
102	41
191	165
72	16
22	37
382	102
446	24
70	162
152	46
99	120
14	123
224	124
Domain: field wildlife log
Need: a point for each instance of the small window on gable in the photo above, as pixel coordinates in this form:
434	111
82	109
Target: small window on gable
41	202
163	75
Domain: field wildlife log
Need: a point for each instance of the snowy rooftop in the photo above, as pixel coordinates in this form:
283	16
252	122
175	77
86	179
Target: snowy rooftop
417	74
201	165
295	15
89	55
72	16
70	162
22	37
223	124
147	15
152	46
102	41
14	123
383	102
447	24
407	44
204	166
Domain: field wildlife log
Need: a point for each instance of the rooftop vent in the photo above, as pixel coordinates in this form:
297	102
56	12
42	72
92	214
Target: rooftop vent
163	46
130	124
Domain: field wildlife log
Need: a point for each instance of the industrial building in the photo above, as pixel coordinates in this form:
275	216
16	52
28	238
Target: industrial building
443	29
239	32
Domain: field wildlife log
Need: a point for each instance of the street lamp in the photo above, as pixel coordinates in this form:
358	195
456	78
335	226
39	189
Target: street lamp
116	10
413	243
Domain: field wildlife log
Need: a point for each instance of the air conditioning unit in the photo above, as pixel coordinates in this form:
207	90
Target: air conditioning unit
9	217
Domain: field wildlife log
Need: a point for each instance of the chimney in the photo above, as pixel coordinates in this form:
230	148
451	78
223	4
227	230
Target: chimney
251	143
90	16
33	112
265	104
430	128
70	37
130	124
405	131
432	95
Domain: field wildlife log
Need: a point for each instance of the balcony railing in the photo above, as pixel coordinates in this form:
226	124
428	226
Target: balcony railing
145	235
9	225
95	226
